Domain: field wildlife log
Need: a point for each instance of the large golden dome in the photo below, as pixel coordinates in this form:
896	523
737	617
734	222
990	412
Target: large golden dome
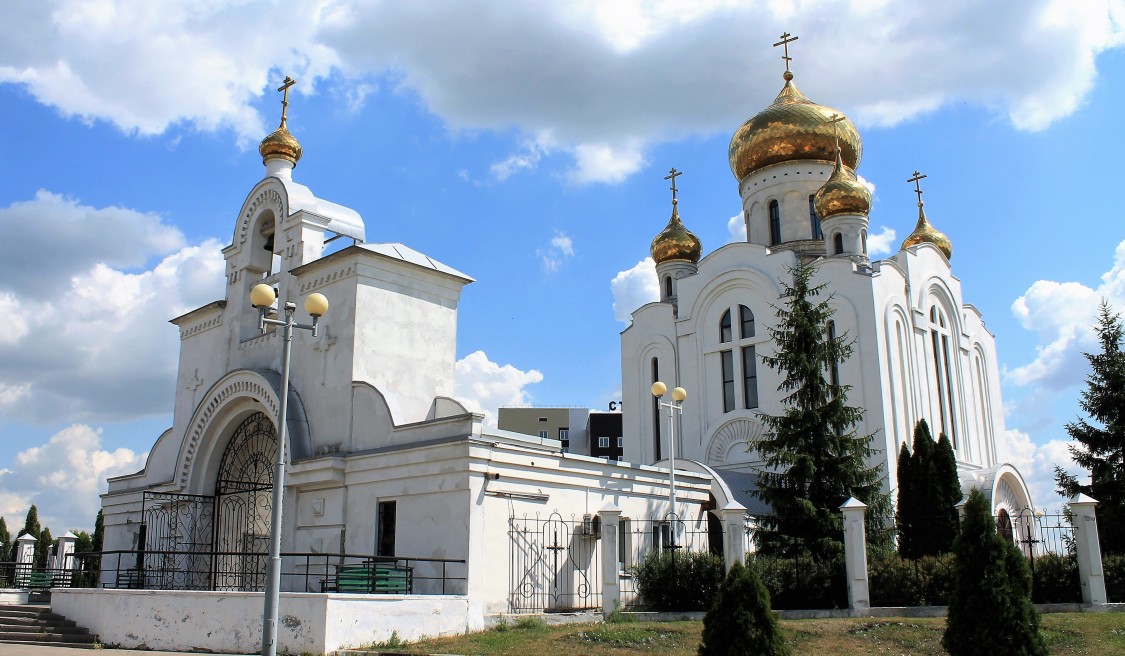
792	128
676	242
280	144
925	233
842	194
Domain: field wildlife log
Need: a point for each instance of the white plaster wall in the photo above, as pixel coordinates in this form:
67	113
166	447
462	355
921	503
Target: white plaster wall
790	183
230	622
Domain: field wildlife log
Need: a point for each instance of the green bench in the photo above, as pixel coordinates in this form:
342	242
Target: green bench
35	579
371	578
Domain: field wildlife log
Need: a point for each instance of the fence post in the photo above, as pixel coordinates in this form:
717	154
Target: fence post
611	584
855	553
1089	550
734	531
25	558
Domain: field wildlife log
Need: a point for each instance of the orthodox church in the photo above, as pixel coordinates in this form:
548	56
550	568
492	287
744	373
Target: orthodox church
921	351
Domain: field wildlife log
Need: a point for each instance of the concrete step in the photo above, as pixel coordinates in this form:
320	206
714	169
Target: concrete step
6	636
68	645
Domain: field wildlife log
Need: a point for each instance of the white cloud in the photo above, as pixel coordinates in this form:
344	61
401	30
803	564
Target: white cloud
633	288
606	80
85	344
483	385
63	478
525	160
1036	463
1063	314
557	252
882	242
736	228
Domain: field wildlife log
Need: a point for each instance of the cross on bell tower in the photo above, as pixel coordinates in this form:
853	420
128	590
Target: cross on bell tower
786	39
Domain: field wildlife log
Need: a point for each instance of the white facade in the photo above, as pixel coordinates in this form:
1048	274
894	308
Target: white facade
921	351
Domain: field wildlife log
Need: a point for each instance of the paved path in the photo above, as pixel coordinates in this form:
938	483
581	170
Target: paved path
36	650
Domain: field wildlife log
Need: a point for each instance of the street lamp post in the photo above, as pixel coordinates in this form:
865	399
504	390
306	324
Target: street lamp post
678	396
262	297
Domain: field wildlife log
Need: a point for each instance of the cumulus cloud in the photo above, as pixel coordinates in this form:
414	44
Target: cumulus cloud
63	478
633	288
483	385
1036	463
560	249
1063	314
526	159
86	335
605	80
736	228
882	242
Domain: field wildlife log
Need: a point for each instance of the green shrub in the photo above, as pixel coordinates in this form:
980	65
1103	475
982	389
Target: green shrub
1055	580
679	581
895	581
740	622
803	583
1113	566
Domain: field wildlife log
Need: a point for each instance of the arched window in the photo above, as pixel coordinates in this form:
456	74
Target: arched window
834	369
667	286
814	220
1004	525
747	319
656	412
863	238
731	368
943	373
775	223
838	244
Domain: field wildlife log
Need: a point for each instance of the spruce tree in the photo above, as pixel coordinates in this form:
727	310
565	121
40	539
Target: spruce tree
814	458
906	511
5	539
1099	444
30	527
43	546
740	621
99	532
990	609
948	493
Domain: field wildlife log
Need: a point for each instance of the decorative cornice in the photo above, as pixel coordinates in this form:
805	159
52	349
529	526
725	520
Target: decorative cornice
202	326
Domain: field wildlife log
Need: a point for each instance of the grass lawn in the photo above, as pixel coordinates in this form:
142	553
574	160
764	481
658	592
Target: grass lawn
1089	634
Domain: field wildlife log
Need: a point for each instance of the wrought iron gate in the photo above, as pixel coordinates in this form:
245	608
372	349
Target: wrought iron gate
553	564
220	542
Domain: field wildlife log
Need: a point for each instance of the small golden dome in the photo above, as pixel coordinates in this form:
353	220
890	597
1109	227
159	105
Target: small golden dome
280	144
926	233
842	194
792	128
676	242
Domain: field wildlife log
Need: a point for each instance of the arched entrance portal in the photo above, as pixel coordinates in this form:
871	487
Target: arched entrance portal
244	504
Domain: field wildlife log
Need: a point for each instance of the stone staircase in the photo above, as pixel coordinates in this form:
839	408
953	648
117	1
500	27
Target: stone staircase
37	625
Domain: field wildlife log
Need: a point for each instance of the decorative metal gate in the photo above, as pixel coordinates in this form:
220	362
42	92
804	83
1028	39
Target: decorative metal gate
553	564
220	542
244	503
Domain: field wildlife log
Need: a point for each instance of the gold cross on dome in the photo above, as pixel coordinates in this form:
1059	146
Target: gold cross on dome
918	185
786	39
836	118
284	88
672	175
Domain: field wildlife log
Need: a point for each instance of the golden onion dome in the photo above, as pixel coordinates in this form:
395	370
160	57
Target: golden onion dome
842	194
280	144
924	233
792	128
676	242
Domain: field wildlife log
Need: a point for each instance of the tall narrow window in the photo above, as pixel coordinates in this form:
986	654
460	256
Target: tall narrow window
814	220
623	544
656	413
943	373
386	527
775	223
728	380
725	328
746	318
667	286
838	244
834	367
749	378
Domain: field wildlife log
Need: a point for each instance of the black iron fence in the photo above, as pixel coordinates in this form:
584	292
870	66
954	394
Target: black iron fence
640	539
229	570
554	563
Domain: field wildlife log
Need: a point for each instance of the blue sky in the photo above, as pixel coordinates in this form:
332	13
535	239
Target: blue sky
524	144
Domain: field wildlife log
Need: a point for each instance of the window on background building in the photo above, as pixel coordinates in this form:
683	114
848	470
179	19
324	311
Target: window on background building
655	412
814	220
543	434
620	442
385	526
564	437
603	442
775	223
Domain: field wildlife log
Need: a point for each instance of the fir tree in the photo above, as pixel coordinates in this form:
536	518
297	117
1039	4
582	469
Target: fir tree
947	521
99	532
1099	446
30	527
5	539
906	512
43	546
814	458
740	620
990	609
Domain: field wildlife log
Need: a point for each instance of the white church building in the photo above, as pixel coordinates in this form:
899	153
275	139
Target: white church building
921	351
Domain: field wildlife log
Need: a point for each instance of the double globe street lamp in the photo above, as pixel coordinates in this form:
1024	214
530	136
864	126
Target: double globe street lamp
659	389
262	296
